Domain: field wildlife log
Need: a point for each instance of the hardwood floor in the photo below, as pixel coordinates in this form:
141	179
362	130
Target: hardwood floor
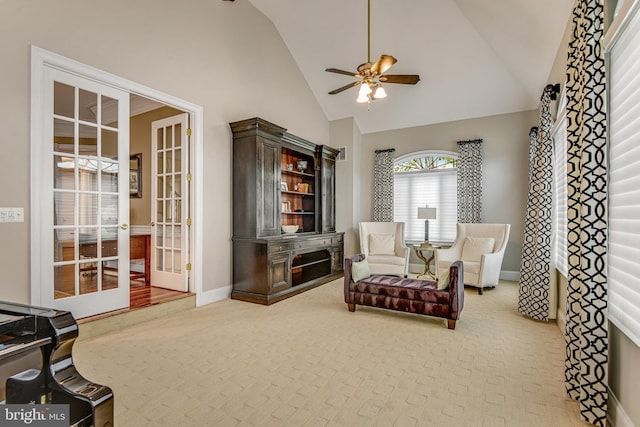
141	295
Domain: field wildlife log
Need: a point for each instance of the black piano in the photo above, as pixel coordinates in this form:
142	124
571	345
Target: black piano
36	365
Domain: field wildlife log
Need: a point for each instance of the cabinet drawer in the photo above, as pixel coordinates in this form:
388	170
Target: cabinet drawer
337	240
110	248
278	247
314	243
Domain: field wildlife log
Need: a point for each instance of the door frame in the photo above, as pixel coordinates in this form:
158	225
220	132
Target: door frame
40	59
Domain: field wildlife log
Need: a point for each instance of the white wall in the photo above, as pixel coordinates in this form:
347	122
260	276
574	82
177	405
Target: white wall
224	56
345	133
505	167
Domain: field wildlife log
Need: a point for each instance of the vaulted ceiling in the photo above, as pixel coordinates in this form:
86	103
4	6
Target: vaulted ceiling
475	58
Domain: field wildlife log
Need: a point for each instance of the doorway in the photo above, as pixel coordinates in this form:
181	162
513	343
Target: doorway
42	188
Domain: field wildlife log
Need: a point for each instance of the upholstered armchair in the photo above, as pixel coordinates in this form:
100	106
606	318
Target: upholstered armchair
481	248
382	243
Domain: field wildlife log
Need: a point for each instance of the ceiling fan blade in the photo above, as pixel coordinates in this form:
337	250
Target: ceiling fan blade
345	87
405	79
346	73
383	64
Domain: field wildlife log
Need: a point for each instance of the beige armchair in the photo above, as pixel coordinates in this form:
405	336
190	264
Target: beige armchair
382	243
481	248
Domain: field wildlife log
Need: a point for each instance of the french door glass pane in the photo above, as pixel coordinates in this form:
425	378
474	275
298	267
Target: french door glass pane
88	209
109	144
64	244
109	111
63	208
64	281
87	106
110	179
63	96
177	261
178	160
88	141
63	131
109	209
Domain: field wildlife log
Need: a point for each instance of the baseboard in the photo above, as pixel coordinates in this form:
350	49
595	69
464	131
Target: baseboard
512	276
214	295
616	415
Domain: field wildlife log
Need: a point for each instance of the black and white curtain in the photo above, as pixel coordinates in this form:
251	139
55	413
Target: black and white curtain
535	266
383	185
586	319
470	181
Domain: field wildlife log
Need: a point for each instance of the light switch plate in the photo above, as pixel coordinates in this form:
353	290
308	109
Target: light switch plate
11	214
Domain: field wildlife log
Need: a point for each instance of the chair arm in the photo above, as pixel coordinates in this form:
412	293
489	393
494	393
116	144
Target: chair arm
405	253
449	254
347	273
456	289
490	265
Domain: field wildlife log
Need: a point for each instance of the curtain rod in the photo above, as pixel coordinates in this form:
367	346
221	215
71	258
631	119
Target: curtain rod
387	150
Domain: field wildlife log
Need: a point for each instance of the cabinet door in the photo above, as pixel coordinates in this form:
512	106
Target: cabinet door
279	272
268	188
327	193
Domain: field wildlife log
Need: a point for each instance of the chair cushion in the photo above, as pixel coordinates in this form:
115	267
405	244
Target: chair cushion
474	247
443	280
394	287
382	244
471	267
386	259
360	270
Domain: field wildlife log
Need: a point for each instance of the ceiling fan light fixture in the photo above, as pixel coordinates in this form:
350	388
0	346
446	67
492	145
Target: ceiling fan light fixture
365	89
362	98
379	92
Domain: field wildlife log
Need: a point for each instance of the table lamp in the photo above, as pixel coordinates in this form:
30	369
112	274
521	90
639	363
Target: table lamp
426	213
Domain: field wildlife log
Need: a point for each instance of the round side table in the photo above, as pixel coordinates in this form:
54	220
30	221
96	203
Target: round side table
426	249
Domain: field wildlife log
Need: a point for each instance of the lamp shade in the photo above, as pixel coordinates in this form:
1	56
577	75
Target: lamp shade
426	213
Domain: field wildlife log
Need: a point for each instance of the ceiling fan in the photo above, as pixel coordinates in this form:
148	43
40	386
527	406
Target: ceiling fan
371	75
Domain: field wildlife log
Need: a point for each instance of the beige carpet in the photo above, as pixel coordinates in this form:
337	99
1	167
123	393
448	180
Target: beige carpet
307	361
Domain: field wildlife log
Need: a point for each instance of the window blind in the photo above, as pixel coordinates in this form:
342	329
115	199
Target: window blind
560	193
435	188
624	181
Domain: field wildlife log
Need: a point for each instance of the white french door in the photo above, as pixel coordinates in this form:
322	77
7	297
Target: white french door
170	210
84	242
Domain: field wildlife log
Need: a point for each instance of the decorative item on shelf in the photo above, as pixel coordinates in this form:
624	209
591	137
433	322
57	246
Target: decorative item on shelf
303	188
284	186
290	167
426	213
302	165
289	229
285	207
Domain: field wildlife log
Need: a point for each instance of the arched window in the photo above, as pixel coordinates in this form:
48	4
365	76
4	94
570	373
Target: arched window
426	178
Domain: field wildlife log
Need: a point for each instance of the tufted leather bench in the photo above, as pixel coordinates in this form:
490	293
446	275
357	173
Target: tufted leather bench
410	295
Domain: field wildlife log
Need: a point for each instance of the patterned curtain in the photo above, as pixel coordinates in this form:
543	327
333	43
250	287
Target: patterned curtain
383	185
535	267
586	327
470	181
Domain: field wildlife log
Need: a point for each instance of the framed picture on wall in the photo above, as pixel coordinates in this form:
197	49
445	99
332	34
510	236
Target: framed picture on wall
135	176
